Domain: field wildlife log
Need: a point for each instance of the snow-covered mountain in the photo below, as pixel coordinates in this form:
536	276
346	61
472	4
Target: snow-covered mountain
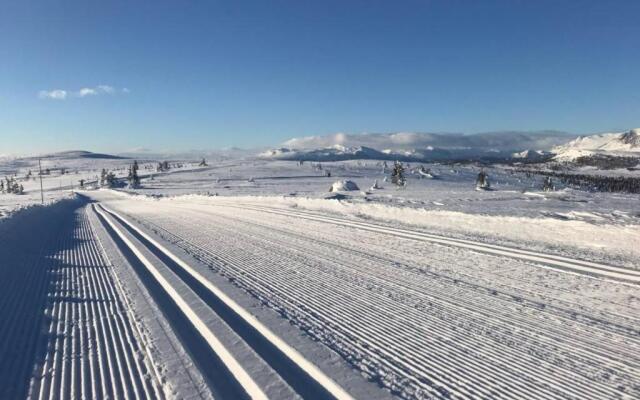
532	155
334	153
408	146
619	144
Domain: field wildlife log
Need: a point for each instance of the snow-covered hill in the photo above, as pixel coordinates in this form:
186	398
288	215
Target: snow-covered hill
73	154
609	144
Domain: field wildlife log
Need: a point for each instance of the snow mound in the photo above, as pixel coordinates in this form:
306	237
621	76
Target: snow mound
343	186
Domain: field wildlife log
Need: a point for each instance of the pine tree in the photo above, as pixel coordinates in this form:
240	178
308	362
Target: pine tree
548	185
110	179
103	177
134	179
397	174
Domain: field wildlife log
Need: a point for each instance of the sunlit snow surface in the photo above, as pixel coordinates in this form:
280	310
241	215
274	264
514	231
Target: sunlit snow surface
410	287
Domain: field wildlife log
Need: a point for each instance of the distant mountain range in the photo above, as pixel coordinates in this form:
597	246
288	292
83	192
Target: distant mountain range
492	146
407	146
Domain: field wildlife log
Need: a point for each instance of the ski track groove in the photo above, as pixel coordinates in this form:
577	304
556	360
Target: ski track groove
92	348
447	378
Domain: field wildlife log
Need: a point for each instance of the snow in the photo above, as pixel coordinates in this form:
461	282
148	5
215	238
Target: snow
615	144
343	186
245	277
409	146
391	305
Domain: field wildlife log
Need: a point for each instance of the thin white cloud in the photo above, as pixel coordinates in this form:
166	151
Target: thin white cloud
86	92
106	89
57	94
60	94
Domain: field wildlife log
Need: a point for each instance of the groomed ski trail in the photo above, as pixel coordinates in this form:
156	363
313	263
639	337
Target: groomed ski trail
91	346
419	332
299	372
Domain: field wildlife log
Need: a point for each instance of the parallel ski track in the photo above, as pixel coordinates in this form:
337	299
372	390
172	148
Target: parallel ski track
548	260
313	373
389	340
93	348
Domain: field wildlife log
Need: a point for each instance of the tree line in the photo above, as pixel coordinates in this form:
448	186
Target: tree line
596	183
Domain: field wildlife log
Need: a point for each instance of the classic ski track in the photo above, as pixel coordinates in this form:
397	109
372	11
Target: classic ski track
562	263
603	390
254	391
239	373
92	350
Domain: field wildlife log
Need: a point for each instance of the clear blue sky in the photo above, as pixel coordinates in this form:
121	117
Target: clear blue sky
211	74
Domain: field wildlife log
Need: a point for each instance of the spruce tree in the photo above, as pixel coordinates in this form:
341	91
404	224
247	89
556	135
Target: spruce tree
134	179
397	174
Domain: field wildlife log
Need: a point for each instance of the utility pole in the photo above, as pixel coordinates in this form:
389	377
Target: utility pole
41	192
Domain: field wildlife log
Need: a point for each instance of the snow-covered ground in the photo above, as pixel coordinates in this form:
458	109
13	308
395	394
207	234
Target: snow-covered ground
453	189
421	315
65	171
249	278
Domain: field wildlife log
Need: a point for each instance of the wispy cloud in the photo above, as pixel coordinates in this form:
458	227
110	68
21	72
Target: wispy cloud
86	92
61	94
57	94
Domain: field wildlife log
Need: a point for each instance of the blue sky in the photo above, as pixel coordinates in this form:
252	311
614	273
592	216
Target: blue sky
209	74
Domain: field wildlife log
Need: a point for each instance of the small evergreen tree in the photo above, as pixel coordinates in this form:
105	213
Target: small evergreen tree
110	179
397	174
133	178
548	185
103	177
